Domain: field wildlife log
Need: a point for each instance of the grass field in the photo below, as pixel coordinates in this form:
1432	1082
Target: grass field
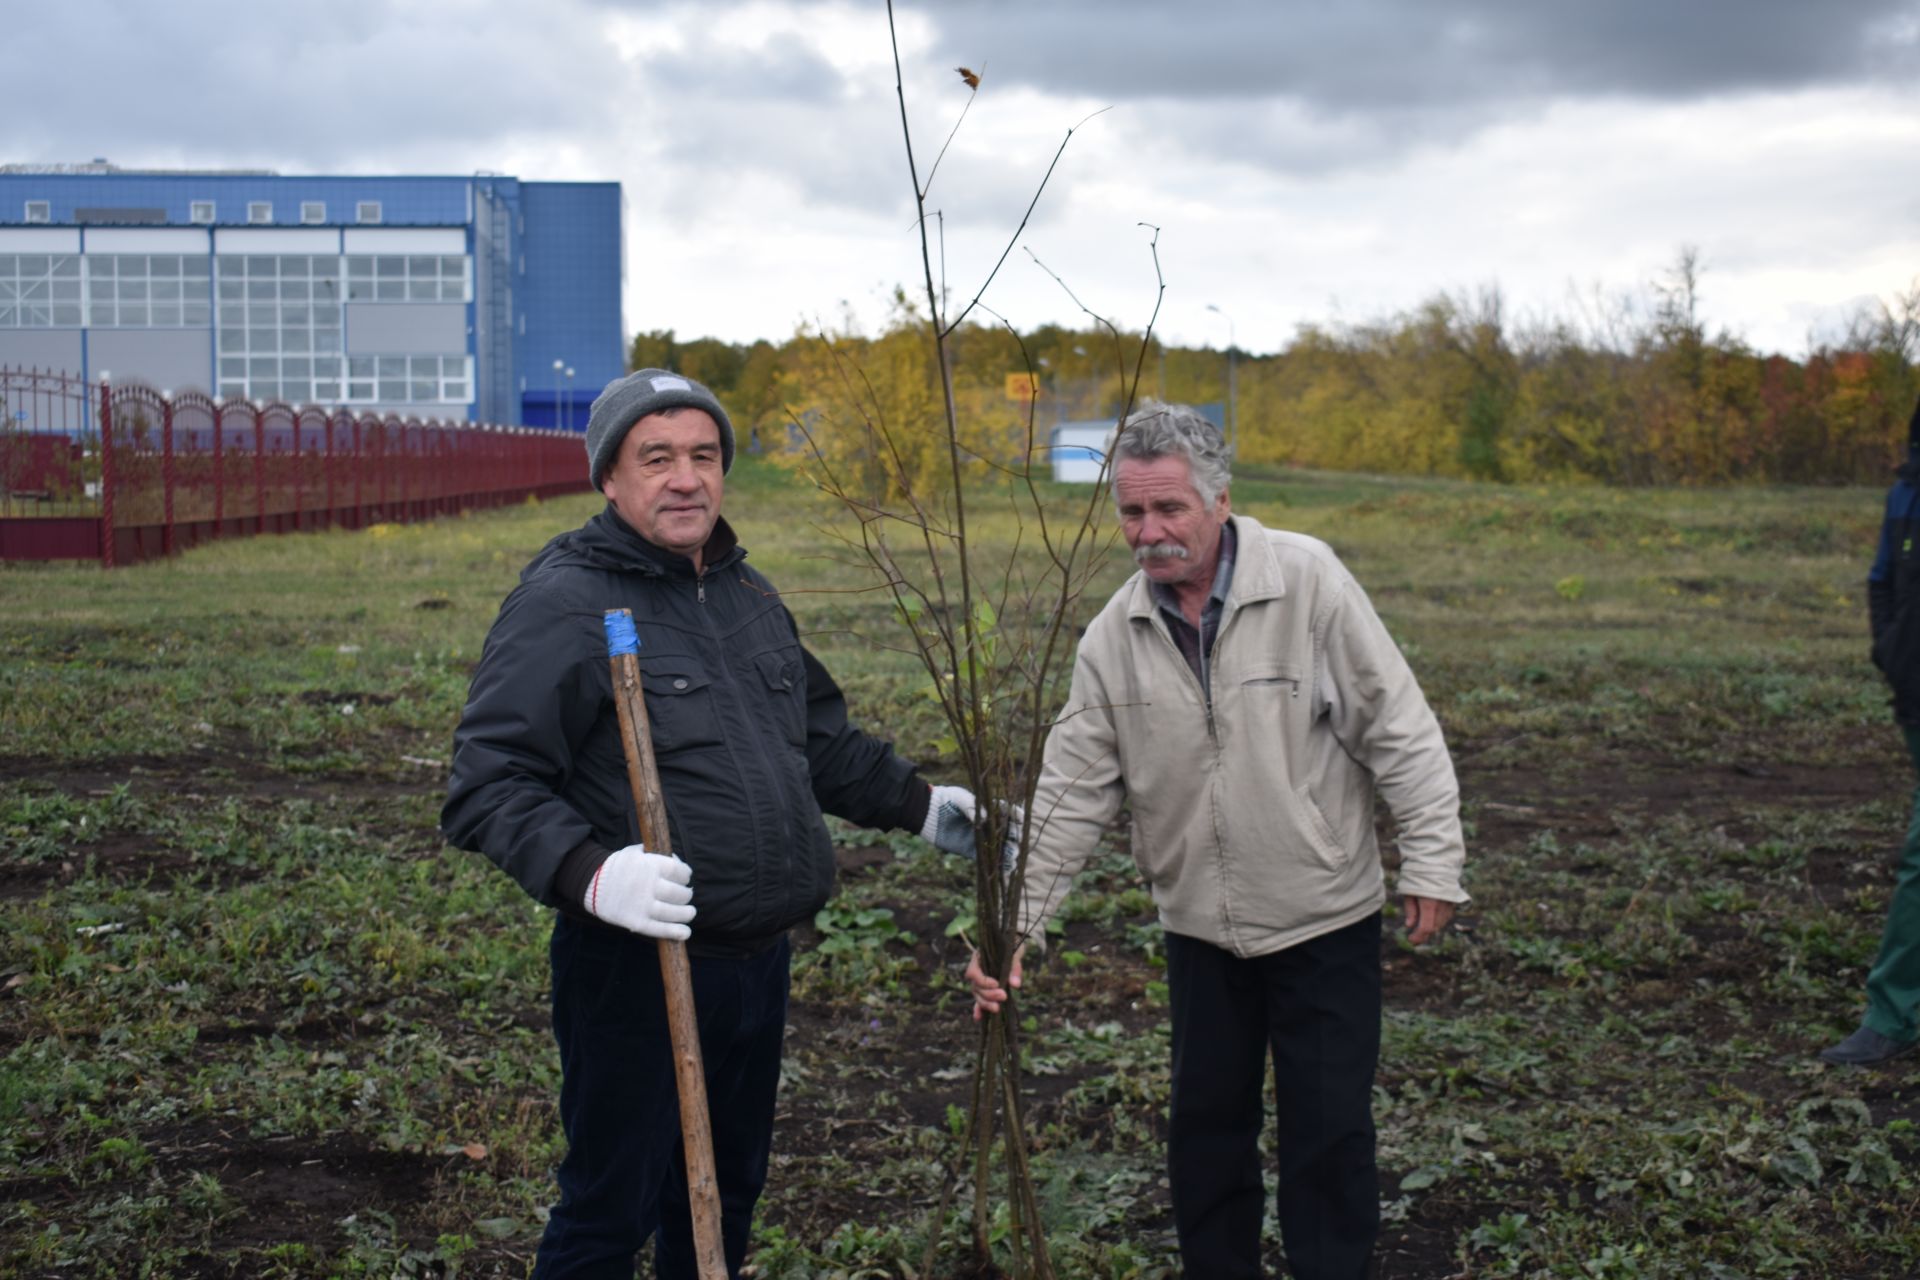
256	1020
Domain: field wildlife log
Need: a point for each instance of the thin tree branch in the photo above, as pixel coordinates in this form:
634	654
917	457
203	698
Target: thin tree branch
972	93
1024	219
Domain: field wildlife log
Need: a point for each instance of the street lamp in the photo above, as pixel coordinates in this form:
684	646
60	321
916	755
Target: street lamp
569	397
1233	412
558	399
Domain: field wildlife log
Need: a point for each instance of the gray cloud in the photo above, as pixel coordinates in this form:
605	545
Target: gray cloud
785	110
1281	85
433	86
717	112
1390	54
791	74
1278	141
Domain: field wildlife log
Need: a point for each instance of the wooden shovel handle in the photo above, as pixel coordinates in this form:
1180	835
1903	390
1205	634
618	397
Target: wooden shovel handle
651	805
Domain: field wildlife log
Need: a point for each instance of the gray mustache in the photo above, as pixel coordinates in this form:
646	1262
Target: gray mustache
1159	551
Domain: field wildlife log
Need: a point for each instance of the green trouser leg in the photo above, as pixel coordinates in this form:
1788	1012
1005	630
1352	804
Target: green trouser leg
1893	985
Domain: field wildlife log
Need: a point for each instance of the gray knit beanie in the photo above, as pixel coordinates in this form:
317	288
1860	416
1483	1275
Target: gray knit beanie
629	399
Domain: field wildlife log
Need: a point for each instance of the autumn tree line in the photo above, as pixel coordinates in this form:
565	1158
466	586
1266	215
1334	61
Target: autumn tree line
1627	390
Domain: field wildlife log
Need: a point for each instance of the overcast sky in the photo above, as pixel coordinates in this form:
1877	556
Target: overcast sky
1304	162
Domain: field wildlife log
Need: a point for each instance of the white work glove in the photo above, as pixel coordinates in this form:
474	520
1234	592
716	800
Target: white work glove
949	827
949	824
645	892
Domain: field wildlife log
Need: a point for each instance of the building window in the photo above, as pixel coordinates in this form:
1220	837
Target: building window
313	211
409	380
39	290
200	211
260	211
367	211
456	379
39	211
148	290
431	277
278	327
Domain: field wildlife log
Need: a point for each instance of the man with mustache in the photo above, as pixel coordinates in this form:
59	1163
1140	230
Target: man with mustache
752	741
1240	696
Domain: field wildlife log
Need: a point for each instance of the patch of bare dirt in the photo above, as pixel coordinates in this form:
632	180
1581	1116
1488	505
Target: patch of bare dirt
283	1189
129	859
1510	801
212	774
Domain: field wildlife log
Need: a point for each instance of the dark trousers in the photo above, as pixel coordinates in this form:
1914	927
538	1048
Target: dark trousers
624	1177
1893	984
1316	1008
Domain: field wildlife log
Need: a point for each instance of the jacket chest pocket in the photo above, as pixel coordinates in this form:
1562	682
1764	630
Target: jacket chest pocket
1265	705
783	679
680	710
1266	680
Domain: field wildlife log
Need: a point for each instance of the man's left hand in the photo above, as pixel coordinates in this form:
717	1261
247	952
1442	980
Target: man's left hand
951	815
949	824
1425	918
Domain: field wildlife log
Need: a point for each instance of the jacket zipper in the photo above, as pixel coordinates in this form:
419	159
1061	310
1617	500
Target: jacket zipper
1206	696
1207	663
768	764
1206	691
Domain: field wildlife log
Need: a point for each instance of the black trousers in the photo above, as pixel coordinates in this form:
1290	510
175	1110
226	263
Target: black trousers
624	1178
1316	1008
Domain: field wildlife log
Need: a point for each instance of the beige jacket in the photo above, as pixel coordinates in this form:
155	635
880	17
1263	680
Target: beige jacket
1252	818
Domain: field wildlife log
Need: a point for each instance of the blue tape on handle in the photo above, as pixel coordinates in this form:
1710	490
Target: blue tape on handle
621	636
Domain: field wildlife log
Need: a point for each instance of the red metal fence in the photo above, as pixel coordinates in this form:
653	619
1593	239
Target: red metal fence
121	474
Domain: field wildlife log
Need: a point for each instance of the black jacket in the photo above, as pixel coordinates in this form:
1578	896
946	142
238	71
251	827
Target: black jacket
749	731
1893	586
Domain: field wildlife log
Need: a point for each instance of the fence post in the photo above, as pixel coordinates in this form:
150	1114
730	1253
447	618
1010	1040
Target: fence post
219	467
326	468
106	475
259	472
299	489
166	475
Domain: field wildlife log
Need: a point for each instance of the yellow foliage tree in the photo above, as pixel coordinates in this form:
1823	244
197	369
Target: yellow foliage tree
871	410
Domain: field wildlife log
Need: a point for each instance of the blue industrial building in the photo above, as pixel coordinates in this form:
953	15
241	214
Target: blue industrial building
482	298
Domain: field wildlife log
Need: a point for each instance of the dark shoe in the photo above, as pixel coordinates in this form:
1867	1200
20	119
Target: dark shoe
1865	1048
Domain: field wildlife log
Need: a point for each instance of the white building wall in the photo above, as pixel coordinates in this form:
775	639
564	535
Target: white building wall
1078	451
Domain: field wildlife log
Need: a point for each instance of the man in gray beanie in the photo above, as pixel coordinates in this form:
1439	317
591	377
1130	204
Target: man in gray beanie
753	744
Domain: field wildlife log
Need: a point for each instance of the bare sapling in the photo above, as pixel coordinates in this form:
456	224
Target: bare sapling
992	622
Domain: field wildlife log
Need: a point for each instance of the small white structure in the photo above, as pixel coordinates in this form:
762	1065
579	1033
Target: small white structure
1079	450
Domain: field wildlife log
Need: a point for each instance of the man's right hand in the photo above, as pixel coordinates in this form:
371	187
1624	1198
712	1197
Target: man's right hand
988	994
648	893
